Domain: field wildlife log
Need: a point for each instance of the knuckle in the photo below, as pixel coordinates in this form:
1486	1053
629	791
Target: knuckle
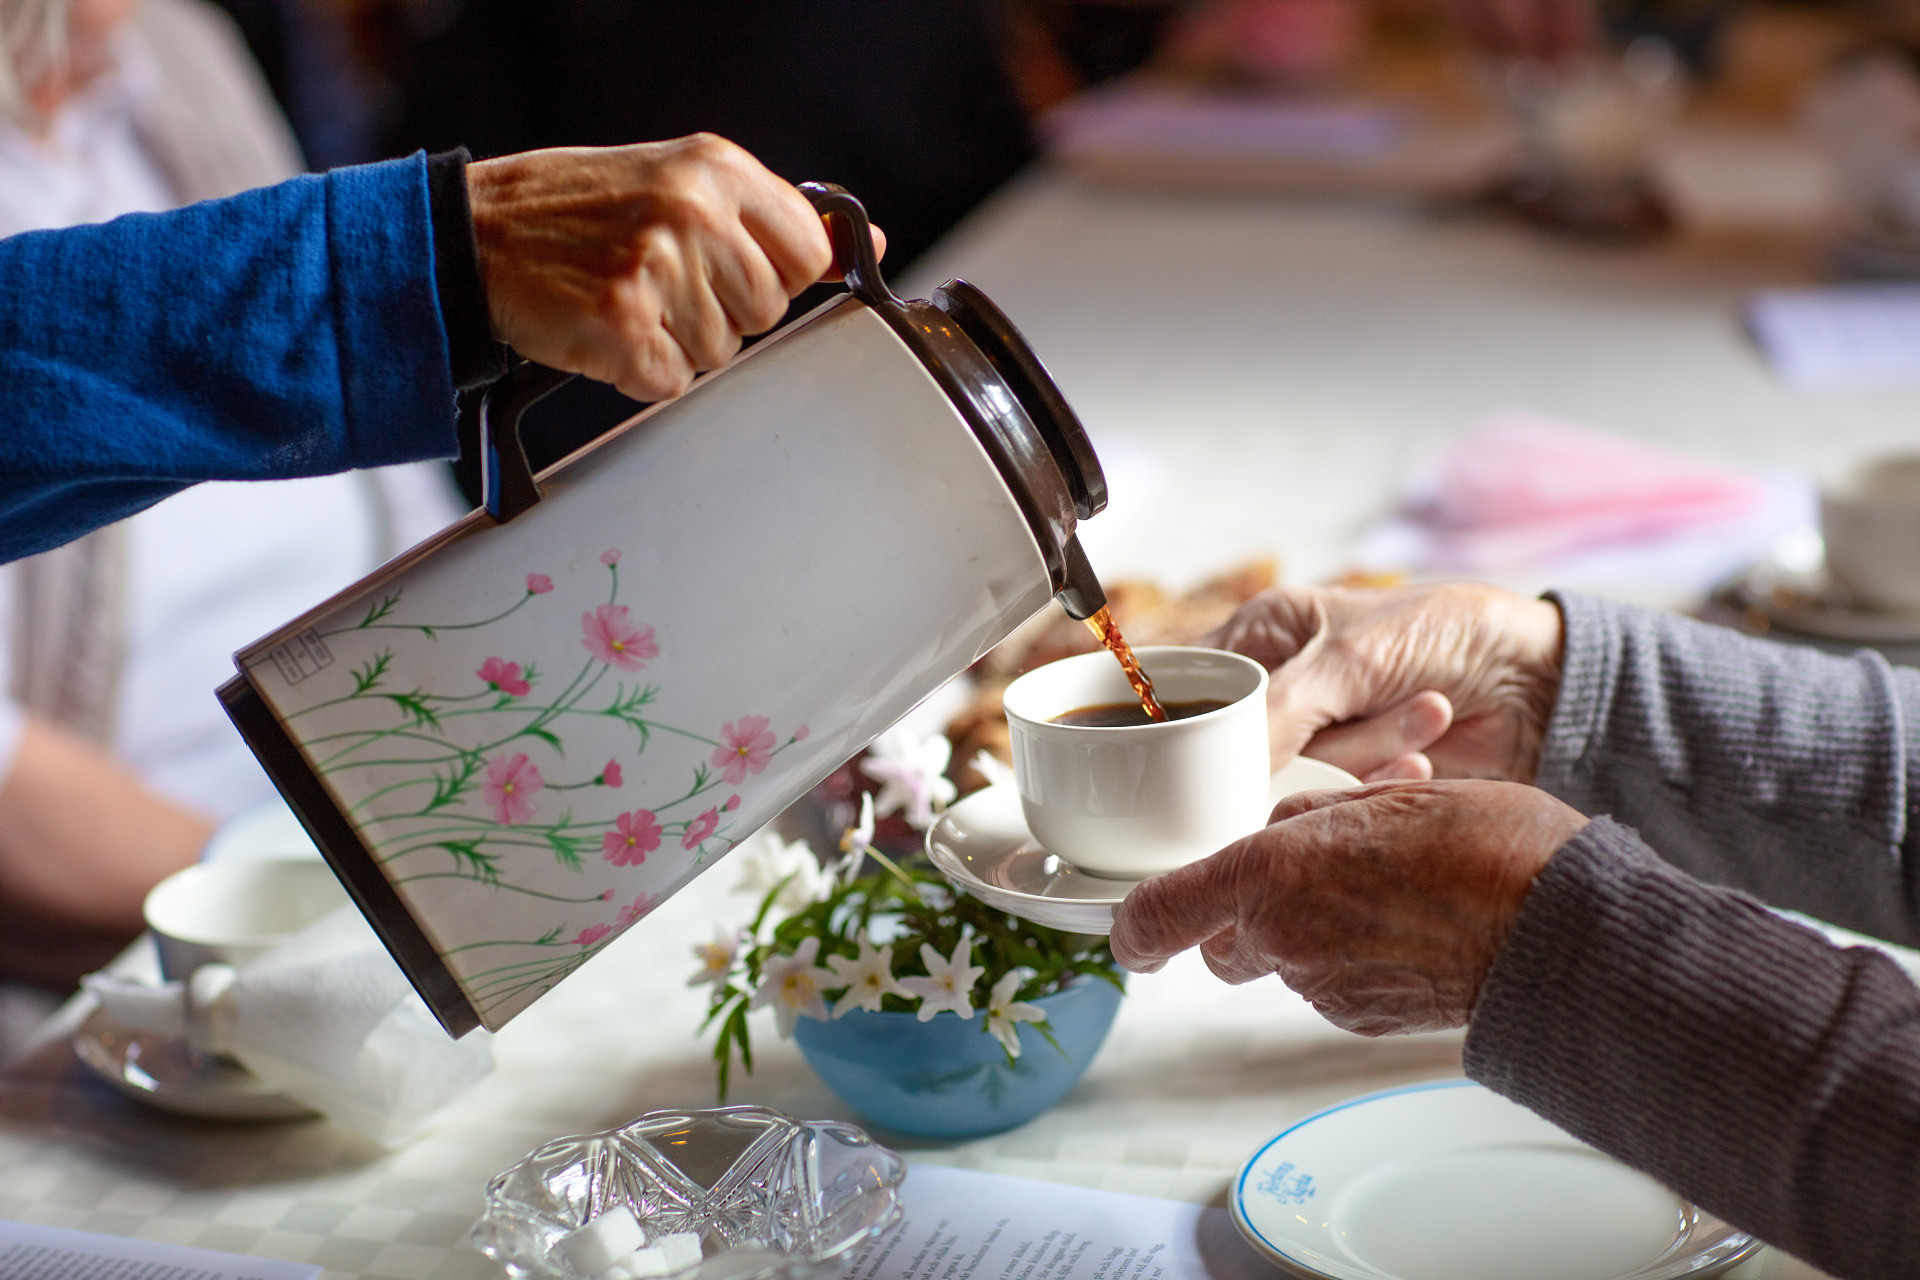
685	207
717	348
816	254
657	366
710	147
765	309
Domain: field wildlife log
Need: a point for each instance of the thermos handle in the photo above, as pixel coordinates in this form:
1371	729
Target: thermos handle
852	240
505	478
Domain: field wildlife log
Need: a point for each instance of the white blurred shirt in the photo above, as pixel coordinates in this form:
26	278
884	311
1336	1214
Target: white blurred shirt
219	565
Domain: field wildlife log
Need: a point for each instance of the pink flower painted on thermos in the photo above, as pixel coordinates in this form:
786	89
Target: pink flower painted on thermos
700	828
504	676
512	782
638	908
611	635
745	747
634	836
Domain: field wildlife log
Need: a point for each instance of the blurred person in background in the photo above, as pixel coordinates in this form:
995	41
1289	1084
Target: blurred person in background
908	106
116	762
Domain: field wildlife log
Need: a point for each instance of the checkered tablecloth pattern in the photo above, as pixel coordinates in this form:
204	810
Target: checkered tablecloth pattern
1195	1075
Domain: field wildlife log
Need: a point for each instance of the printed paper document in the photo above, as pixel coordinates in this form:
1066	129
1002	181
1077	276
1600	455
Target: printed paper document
960	1224
30	1252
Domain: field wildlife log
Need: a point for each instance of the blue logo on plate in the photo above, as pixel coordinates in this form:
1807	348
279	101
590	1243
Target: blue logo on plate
1286	1186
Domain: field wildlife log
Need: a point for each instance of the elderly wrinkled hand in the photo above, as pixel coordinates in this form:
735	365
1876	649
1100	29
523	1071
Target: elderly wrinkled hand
641	265
1384	906
1451	680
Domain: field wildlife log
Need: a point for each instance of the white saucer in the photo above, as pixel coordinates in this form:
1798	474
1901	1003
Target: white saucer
982	845
163	1072
1807	600
1450	1181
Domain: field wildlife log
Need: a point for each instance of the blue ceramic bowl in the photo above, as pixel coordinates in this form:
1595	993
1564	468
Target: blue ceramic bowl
947	1078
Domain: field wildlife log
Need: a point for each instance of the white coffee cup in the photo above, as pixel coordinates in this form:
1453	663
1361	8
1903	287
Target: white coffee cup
1139	800
231	912
1870	519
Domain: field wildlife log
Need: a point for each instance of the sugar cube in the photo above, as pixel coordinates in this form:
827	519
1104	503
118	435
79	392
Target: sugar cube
602	1242
666	1256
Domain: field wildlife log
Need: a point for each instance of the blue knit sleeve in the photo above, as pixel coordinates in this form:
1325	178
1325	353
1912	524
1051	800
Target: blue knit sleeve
288	331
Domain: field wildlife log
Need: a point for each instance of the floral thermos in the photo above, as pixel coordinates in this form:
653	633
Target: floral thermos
525	734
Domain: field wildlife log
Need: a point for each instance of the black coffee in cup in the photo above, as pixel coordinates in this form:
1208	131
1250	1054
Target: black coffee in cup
1122	715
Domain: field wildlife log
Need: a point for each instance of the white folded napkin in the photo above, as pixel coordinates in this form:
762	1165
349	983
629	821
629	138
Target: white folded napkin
326	1018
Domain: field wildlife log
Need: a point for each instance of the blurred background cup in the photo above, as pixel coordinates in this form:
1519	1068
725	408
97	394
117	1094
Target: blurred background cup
1588	128
1139	800
232	912
264	832
1870	520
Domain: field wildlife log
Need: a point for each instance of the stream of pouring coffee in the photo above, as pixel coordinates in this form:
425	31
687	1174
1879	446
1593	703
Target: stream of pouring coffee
1103	626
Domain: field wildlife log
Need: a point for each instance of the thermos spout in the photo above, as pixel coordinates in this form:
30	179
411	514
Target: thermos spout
1083	596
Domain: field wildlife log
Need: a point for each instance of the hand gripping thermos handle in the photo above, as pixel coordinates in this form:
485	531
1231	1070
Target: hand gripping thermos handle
506	480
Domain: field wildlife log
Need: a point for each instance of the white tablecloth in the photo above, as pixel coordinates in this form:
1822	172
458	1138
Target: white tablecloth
1194	1076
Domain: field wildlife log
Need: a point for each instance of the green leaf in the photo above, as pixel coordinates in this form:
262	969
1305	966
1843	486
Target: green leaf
1047	1032
368	676
740	1036
380	609
414	707
566	849
468	857
451	785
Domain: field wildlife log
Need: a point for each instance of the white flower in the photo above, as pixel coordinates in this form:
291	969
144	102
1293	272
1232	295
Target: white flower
912	775
792	986
1003	1012
996	771
716	957
948	984
766	860
857	840
867	979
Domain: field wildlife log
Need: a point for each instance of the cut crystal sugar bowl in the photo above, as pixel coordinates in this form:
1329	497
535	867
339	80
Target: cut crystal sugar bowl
766	1194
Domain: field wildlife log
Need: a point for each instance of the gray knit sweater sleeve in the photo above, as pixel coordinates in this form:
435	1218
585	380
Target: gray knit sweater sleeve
1763	1073
1770	768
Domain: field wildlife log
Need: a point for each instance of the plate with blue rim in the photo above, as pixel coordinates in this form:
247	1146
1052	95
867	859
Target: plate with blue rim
1450	1181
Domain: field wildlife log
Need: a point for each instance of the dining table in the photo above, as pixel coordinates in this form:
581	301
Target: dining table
1258	370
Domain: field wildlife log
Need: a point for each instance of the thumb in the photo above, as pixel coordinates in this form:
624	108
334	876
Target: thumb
1372	745
1168	914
